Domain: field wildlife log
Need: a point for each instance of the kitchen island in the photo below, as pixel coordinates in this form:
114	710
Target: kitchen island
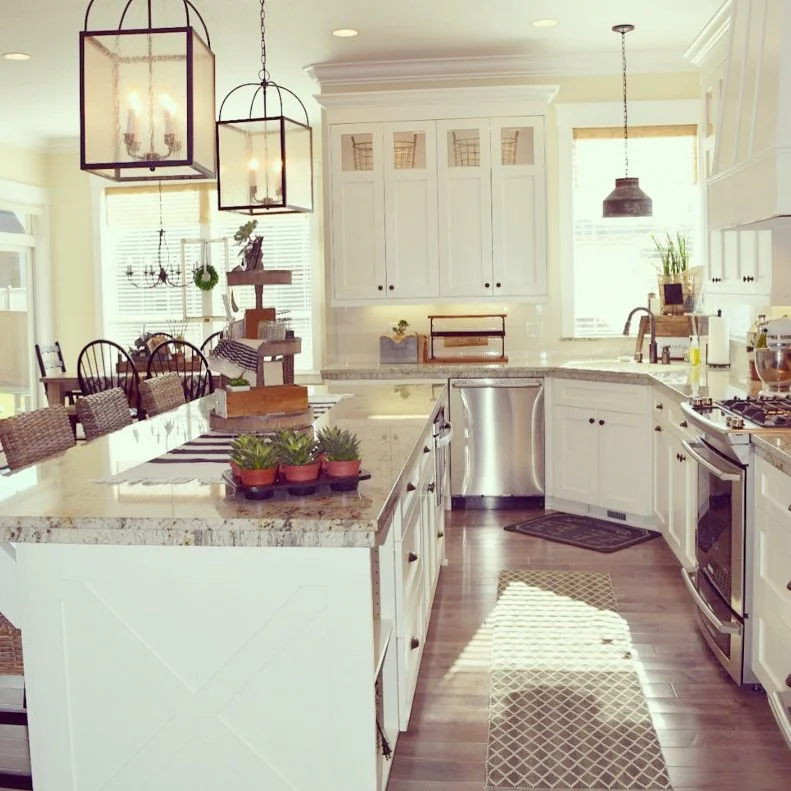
177	637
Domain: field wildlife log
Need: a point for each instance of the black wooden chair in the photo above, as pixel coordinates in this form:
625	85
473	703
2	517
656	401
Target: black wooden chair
208	345
103	365
186	360
50	362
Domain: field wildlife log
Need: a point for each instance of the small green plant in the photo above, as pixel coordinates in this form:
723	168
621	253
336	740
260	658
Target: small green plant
673	255
239	382
295	449
339	444
400	329
261	456
241	446
250	244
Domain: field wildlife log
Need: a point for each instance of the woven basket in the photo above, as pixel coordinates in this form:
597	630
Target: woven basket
161	394
34	436
10	649
103	412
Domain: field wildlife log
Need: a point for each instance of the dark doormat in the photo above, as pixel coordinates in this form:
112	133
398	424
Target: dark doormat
584	532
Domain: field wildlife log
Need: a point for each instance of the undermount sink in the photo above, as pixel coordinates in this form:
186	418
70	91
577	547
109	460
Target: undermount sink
623	362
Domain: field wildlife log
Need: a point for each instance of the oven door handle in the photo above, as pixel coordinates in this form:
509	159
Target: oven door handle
705	610
716	471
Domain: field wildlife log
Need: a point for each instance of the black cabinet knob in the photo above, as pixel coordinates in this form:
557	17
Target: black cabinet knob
789	585
591	420
657	428
497	285
410	487
788	681
442	535
659	406
683	424
487	285
392	288
601	422
426	449
412	557
380	288
431	486
414	643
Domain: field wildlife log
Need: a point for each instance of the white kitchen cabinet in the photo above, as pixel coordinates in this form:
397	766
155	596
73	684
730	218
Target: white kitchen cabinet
492	207
384	211
575	448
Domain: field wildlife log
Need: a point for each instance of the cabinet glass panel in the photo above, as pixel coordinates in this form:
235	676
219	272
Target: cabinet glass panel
357	151
709	113
409	150
464	148
516	146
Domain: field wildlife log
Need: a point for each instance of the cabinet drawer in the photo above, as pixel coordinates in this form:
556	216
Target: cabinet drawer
630	399
773	570
774	493
410	564
410	496
771	649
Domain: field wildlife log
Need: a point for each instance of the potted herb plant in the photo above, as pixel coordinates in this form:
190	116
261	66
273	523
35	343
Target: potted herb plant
341	449
297	453
398	347
238	385
251	245
259	462
678	282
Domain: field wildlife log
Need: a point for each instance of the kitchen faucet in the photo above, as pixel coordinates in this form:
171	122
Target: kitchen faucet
638	356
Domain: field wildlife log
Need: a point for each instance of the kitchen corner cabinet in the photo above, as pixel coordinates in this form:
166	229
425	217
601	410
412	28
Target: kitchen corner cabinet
437	209
599	447
384	211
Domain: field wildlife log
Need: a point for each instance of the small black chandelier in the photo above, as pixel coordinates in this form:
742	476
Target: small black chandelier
627	199
265	161
147	99
161	274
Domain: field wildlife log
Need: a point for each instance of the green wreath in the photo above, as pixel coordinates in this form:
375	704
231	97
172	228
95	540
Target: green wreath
205	285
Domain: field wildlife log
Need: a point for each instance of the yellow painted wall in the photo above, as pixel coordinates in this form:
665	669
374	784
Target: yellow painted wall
23	165
73	282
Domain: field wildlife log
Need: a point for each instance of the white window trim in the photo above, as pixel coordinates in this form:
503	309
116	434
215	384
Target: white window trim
572	115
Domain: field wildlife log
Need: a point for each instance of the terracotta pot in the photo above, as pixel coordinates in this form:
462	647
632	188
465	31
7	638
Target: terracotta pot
343	469
305	472
236	470
259	477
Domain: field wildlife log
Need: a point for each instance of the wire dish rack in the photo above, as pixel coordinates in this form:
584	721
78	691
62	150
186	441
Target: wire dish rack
467	150
403	154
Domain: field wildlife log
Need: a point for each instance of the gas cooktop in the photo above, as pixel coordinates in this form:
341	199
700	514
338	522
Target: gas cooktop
769	411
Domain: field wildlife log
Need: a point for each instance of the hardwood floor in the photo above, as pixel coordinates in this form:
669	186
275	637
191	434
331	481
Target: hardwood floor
715	736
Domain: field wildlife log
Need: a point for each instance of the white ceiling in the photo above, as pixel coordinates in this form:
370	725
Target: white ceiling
39	97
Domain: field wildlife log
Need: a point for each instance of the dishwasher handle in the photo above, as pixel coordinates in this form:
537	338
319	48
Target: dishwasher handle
477	384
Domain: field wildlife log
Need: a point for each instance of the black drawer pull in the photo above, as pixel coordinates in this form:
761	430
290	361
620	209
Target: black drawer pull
683	424
486	285
392	288
591	420
659	406
657	428
381	288
410	487
788	681
788	587
414	643
412	557
442	535
426	449
431	486
601	422
498	285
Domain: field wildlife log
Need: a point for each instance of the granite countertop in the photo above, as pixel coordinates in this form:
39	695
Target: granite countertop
60	500
775	447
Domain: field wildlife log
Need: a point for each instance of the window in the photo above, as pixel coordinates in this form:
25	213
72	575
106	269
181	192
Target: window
189	213
610	265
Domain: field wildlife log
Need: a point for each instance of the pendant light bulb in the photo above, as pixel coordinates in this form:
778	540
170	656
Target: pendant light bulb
627	199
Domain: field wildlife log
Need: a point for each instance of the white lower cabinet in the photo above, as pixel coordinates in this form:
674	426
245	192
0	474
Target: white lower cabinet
600	456
771	608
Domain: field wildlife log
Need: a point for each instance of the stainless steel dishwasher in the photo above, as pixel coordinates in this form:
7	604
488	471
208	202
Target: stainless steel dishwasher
497	452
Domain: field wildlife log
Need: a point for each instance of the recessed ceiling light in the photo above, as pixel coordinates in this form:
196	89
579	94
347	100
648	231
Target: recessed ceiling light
544	22
345	32
16	56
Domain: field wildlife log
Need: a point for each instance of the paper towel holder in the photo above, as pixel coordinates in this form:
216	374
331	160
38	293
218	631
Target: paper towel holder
716	366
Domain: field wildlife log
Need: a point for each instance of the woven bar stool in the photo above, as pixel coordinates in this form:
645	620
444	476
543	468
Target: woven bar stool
10	649
33	436
103	412
161	394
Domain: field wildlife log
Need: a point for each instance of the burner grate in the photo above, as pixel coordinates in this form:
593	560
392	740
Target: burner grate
765	412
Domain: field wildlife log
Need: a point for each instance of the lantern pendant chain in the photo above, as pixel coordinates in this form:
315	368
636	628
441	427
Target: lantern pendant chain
625	110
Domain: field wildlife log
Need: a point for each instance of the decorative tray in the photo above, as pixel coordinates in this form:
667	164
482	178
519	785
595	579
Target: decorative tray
296	489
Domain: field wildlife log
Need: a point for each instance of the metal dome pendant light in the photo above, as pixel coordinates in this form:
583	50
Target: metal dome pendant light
265	161
627	199
147	98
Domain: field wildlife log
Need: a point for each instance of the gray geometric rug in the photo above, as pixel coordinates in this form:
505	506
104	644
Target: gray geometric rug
566	710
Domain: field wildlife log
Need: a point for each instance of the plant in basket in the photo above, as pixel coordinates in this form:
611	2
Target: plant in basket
298	455
259	462
341	449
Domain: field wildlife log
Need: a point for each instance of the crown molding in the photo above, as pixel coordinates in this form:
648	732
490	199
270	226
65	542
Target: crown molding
63	145
712	34
340	74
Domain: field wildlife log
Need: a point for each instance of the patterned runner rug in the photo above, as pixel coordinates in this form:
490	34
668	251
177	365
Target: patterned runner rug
566	710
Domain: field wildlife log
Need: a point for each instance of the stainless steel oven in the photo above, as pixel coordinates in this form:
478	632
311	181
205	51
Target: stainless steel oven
443	434
717	583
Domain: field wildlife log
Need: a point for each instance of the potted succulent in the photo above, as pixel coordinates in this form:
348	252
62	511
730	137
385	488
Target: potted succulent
341	449
259	462
238	385
298	456
239	448
678	282
251	245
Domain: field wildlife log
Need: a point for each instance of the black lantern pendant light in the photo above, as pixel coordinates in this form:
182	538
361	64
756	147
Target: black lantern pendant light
265	160
627	199
147	99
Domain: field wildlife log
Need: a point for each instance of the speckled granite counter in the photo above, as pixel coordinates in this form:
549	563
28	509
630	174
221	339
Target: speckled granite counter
775	448
58	501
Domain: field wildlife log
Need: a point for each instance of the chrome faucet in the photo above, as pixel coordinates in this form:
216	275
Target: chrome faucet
638	356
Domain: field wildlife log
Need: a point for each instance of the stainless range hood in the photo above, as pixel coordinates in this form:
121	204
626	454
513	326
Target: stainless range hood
750	183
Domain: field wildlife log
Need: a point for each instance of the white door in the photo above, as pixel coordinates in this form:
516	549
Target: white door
683	481
410	166
662	460
755	262
625	456
357	213
465	208
518	207
575	447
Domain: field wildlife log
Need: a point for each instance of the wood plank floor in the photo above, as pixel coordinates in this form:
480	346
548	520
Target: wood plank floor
715	736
